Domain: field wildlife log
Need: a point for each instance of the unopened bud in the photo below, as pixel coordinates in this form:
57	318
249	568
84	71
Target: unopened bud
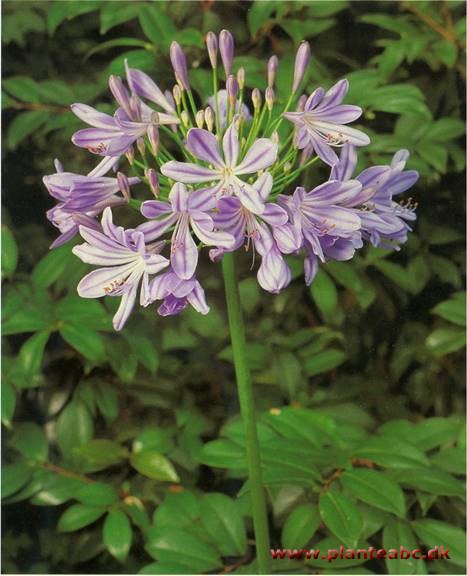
226	47
154	138
273	64
177	57
301	103
153	181
241	78
275	137
269	96
177	94
185	118
302	59
287	167
209	118
211	44
130	155
123	185
199	118
141	146
256	98
135	107
232	88
120	93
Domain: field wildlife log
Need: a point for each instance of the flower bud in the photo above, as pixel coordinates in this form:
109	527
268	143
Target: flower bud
153	181
135	108
177	94
241	78
209	118
256	98
123	185
269	96
130	155
120	93
141	146
211	44
275	137
301	103
58	165
273	64
199	118
302	59
154	138
226	47
287	167
185	118
177	57
232	88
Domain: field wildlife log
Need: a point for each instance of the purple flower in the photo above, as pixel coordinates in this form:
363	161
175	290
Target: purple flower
328	228
383	220
186	211
270	233
322	124
302	59
222	98
226	169
113	135
127	262
177	57
226	47
83	196
176	294
142	85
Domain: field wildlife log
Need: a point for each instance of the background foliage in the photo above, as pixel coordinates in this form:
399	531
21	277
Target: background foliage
124	453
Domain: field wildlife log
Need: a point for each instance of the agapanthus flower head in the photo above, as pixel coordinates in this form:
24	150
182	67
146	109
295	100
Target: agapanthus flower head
225	175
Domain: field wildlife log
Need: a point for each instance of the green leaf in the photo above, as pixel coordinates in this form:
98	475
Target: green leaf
324	293
117	534
97	494
29	439
396	273
324	361
144	350
56	490
398	99
107	400
178	510
78	516
338	565
9	253
451	459
14	477
433	432
31	354
300	526
224	524
157	25
23	88
435	154
223	454
446	51
84	311
391	452
99	454
445	129
446	340
116	42
165	568
172	544
437	533
56	91
302	424
453	310
74	427
314	27
114	13
23	125
153	438
432	481
154	465
8	403
51	266
375	489
395	533
60	11
341	516
85	340
259	14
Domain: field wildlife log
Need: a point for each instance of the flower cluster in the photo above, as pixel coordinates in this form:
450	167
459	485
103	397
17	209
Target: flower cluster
224	174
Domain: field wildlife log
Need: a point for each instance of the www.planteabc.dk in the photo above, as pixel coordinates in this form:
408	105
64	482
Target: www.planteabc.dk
436	553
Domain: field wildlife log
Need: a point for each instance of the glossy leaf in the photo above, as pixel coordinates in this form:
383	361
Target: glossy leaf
78	516
224	523
341	516
117	534
300	526
154	465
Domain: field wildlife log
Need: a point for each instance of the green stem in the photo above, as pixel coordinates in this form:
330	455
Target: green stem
247	409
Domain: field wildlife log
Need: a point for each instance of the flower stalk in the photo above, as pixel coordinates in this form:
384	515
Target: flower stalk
247	410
